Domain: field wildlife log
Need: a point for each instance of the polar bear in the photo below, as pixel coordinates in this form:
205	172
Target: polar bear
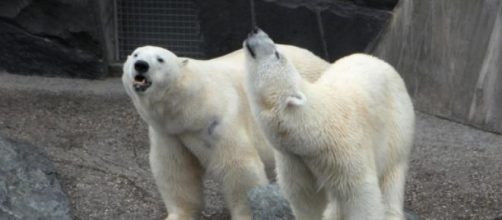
200	121
342	141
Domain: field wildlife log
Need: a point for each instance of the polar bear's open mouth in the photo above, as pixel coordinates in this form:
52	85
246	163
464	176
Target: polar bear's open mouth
141	83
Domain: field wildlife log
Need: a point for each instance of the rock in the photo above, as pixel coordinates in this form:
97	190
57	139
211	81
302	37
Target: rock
52	38
69	37
410	216
330	29
10	8
29	188
381	4
268	203
351	29
378	4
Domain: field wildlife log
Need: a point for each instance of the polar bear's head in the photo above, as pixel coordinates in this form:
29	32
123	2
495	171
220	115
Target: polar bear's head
151	69
270	73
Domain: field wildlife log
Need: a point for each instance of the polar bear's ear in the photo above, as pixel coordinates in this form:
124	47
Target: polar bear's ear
297	99
184	62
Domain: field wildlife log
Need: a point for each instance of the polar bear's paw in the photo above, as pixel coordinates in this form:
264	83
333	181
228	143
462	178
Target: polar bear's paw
259	45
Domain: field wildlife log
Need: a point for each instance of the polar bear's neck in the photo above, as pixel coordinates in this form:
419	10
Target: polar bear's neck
274	84
171	105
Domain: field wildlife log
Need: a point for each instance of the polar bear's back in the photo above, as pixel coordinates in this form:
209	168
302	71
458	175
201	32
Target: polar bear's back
366	75
308	64
361	70
388	106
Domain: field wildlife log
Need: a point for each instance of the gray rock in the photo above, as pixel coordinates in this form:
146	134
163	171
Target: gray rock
29	188
52	38
411	216
268	203
379	4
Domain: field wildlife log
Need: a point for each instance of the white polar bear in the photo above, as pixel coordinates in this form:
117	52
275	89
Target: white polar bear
343	141
200	120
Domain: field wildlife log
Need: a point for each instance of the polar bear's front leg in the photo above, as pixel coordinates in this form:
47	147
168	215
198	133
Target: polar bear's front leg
360	200
298	184
240	169
237	182
177	174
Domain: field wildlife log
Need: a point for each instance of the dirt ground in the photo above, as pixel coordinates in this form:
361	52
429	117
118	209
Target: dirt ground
99	146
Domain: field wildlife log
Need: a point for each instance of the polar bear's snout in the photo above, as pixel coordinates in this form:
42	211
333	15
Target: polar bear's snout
259	44
141	66
141	81
151	68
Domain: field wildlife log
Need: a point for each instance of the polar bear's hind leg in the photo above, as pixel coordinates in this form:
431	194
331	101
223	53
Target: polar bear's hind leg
393	192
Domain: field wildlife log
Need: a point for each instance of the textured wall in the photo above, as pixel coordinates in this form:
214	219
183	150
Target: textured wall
76	38
51	37
329	28
450	55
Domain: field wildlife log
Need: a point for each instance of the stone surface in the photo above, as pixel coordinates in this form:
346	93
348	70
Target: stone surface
268	203
379	4
411	216
53	38
77	38
449	52
330	29
98	144
29	188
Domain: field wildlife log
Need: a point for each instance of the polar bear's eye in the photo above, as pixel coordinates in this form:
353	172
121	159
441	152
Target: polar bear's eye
135	55
277	54
160	60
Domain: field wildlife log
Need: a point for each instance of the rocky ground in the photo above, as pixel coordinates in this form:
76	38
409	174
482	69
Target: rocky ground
29	187
99	146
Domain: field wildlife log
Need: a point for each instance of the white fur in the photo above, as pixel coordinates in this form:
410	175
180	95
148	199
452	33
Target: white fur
185	99
343	141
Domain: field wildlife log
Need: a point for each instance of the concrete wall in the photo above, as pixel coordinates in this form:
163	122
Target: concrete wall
450	55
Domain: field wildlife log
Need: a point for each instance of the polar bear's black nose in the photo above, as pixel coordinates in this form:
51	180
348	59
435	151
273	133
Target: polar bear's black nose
141	66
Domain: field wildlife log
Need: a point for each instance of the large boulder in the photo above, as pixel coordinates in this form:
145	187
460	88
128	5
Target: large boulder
29	188
53	38
268	203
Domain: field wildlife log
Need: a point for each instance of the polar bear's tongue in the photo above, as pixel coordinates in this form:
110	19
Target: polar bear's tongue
141	83
140	80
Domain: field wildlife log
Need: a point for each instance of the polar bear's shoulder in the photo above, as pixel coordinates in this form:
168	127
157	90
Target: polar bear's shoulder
359	61
360	68
308	64
233	57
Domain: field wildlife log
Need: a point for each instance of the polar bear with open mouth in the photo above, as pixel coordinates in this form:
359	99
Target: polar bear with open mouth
200	120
